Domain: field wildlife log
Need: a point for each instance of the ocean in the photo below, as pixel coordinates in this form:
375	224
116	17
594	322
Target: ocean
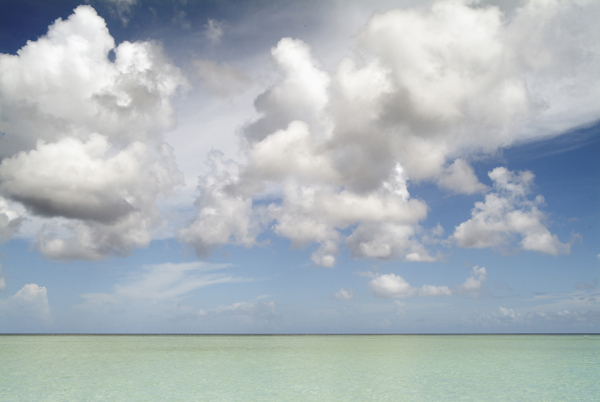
300	368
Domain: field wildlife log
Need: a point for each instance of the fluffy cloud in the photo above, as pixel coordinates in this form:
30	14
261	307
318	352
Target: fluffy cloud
83	136
508	313
29	303
223	216
426	89
394	286
9	221
506	214
385	241
474	283
82	180
459	177
258	309
344	294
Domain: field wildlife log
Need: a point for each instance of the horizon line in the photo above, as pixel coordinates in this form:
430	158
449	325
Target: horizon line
286	334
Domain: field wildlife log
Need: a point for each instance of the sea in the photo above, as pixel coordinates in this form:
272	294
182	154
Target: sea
300	368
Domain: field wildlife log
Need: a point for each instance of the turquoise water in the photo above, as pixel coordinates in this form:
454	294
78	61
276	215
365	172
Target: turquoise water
300	368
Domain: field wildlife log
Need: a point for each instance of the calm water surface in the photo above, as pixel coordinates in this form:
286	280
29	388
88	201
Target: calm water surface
300	368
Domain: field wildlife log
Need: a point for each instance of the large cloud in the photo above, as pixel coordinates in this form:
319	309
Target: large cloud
83	135
333	153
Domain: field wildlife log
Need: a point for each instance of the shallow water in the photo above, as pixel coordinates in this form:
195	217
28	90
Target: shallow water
300	368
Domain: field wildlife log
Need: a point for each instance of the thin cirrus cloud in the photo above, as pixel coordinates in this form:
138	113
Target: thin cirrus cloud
421	96
163	285
161	293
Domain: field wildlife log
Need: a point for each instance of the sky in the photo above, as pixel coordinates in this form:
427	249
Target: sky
299	166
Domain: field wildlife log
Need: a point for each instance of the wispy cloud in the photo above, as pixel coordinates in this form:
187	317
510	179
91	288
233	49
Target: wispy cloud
214	31
344	294
161	286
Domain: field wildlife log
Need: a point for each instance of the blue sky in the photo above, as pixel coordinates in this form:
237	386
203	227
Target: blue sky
299	167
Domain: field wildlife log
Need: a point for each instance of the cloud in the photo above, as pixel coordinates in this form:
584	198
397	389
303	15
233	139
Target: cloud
223	216
301	94
258	309
508	213
10	221
159	296
29	303
122	8
214	31
400	307
162	283
84	138
256	312
156	291
420	96
508	313
474	283
459	177
547	316
394	286
344	294
81	181
386	241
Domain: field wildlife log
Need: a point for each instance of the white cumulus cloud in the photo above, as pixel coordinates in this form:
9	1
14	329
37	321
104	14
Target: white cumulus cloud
29	303
394	286
426	89
507	214
459	177
83	137
10	220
